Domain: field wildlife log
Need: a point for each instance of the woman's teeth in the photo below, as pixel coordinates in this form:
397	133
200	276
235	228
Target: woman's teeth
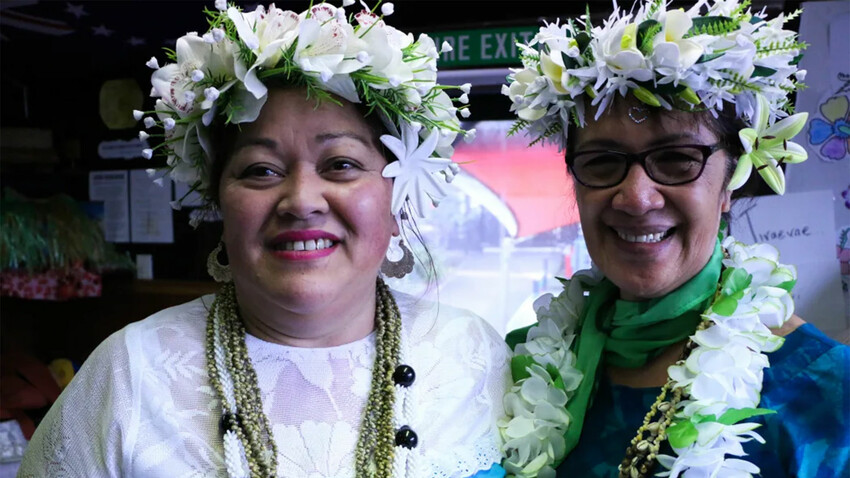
310	245
650	238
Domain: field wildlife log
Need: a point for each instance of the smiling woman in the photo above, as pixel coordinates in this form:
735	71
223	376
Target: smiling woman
665	355
305	363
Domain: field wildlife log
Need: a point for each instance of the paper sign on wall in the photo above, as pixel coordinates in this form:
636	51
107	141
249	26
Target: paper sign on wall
149	209
111	188
801	226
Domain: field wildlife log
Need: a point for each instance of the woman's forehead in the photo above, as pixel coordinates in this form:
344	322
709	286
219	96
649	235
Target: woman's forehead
643	126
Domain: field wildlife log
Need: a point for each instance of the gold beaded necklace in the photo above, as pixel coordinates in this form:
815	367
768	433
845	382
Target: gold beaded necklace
642	453
235	383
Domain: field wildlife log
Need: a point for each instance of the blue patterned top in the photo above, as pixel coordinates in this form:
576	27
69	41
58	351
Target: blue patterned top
808	384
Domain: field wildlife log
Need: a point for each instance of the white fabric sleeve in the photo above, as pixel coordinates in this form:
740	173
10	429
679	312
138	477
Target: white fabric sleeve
86	431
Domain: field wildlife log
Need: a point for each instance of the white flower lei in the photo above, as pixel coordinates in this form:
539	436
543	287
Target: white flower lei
721	378
678	58
220	77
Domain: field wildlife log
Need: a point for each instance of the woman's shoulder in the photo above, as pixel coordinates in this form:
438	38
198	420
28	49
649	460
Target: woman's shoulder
807	385
184	322
807	350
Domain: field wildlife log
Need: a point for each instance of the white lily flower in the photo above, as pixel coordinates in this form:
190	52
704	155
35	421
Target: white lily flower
466	87
143	136
147	153
670	48
620	53
152	63
149	122
267	34
168	124
321	48
768	146
465	112
221	5
414	170
197	75
387	9
464	98
137	115
446	47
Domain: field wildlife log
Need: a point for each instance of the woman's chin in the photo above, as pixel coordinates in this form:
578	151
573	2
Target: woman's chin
644	284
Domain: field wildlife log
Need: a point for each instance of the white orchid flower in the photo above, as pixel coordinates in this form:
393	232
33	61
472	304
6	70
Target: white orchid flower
768	146
416	173
172	81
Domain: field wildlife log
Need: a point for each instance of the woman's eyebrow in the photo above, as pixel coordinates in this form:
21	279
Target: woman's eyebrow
675	138
262	142
327	137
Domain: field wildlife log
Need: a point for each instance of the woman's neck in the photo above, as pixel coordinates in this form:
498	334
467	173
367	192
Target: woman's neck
654	373
339	320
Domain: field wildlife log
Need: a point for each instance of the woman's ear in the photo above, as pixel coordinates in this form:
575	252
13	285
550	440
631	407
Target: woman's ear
726	204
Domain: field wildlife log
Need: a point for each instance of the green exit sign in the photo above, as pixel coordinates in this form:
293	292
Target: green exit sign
485	47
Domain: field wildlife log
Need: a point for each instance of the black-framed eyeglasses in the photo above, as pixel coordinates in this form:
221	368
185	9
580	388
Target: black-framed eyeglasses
670	165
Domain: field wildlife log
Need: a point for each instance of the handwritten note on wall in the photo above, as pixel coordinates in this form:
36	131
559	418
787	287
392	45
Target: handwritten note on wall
802	227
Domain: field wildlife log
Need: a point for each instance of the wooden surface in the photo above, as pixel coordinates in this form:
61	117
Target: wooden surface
72	329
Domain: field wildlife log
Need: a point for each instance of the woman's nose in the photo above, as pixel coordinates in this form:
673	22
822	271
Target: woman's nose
302	194
638	193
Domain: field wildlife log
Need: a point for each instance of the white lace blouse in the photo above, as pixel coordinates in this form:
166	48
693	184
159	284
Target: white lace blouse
142	405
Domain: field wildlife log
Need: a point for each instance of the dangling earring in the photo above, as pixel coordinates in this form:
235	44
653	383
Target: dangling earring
401	267
218	271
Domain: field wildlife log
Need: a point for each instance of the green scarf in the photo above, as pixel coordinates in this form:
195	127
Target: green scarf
629	334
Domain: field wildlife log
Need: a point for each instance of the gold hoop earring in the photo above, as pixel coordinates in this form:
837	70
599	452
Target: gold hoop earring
401	267
218	271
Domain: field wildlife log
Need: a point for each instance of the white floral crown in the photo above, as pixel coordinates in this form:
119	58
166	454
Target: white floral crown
679	59
220	76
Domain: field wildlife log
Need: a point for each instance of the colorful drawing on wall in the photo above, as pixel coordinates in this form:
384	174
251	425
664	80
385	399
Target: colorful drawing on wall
832	132
842	249
846	196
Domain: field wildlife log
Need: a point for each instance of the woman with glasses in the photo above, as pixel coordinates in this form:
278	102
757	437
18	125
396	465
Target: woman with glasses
678	352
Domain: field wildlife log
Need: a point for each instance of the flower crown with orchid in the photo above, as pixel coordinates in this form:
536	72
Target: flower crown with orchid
221	76
681	59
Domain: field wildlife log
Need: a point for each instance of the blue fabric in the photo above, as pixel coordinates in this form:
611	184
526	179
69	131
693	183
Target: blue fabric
495	472
808	384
